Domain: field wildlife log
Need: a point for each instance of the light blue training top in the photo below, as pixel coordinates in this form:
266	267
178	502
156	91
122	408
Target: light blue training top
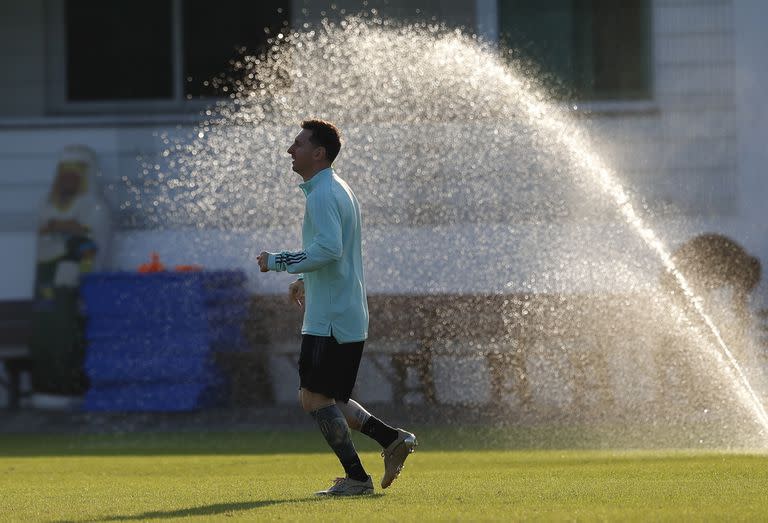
331	260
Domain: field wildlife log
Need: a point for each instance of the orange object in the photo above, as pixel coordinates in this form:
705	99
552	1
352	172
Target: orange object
188	268
153	266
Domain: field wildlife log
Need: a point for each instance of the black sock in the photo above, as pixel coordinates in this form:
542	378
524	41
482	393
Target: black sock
380	431
334	427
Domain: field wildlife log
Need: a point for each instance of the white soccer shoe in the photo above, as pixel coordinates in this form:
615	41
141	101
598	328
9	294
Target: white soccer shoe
395	454
348	487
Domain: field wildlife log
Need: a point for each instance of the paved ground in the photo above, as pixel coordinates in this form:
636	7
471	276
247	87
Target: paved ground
30	420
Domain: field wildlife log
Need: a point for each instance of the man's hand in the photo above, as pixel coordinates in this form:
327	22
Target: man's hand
263	259
296	293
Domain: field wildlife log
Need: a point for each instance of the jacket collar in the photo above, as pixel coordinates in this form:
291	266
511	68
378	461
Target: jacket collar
310	184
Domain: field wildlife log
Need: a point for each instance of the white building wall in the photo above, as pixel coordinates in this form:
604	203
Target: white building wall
22	52
695	146
751	79
682	151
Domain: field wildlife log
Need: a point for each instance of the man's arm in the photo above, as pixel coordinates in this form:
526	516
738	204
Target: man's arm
326	246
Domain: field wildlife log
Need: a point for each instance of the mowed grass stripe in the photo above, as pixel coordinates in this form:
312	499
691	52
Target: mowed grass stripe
443	485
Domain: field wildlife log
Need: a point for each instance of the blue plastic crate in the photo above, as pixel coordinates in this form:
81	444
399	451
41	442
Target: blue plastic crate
136	294
101	332
181	344
111	369
155	397
164	293
226	338
101	324
151	337
129	326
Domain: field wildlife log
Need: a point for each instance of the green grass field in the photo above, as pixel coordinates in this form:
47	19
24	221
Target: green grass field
271	476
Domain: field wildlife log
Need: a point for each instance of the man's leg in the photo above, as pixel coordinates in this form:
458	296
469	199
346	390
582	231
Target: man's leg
335	429
398	444
363	421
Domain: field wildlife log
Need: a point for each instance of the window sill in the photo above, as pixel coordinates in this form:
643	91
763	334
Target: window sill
107	120
614	107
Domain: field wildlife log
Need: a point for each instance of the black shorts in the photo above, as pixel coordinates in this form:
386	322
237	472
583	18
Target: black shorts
328	367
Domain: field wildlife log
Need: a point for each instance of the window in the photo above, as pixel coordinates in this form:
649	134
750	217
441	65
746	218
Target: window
153	53
215	33
588	49
118	51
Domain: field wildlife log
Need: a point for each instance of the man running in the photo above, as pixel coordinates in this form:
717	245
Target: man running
331	289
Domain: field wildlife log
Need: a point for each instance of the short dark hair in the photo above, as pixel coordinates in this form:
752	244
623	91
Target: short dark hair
324	134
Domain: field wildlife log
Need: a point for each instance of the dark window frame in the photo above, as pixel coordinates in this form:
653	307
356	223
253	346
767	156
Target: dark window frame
578	90
57	102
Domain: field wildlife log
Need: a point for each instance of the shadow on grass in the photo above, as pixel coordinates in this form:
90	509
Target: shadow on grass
210	510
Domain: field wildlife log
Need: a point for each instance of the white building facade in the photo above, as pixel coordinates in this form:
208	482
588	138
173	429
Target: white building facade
695	138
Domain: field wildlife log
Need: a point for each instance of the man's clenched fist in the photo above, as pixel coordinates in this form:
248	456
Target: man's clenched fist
263	259
296	293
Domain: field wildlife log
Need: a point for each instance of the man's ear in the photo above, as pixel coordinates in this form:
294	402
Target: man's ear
319	153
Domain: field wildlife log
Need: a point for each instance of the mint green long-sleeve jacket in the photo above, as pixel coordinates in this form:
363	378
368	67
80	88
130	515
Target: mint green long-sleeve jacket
331	260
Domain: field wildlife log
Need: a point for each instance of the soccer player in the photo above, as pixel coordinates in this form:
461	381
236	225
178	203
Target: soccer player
331	289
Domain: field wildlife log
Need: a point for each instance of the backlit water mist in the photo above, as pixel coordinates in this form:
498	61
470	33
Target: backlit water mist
471	181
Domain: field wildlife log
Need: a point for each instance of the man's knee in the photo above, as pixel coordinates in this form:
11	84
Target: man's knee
305	401
311	401
301	399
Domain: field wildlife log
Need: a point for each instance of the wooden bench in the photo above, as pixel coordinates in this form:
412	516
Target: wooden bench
395	345
15	328
396	342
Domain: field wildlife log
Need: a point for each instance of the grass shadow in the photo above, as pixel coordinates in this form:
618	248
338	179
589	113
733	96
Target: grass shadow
211	510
